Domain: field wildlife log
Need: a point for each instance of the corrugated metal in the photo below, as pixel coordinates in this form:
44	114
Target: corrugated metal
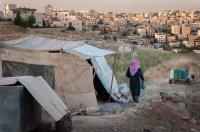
42	92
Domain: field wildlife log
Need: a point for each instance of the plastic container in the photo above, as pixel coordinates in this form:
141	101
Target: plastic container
180	73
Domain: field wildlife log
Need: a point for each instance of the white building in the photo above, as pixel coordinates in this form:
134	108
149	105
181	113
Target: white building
91	22
161	38
61	14
142	31
38	19
176	29
48	9
77	24
8	13
185	30
24	12
1	15
61	18
198	32
150	31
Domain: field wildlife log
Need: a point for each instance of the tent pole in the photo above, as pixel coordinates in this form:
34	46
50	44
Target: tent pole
112	77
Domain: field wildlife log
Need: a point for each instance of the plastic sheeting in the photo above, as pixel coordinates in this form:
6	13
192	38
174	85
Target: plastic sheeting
105	73
13	69
40	44
87	51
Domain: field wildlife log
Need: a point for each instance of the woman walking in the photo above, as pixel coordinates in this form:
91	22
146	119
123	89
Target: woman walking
135	74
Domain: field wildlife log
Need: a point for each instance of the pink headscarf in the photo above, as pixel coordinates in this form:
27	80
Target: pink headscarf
134	66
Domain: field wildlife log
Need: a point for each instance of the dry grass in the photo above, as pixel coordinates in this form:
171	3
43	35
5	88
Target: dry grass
161	71
147	60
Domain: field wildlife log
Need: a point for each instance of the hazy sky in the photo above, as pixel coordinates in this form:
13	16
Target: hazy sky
109	5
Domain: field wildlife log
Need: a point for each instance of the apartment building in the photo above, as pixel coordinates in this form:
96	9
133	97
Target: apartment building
61	14
176	29
150	31
77	24
161	38
90	22
24	12
142	31
172	38
38	19
8	10
185	30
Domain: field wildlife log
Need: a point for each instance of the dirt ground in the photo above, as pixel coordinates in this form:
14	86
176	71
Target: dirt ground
178	114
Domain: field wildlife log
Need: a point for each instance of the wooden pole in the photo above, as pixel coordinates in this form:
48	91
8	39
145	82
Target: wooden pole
111	86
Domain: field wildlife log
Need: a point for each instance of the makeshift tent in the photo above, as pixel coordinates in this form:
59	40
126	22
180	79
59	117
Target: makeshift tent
64	63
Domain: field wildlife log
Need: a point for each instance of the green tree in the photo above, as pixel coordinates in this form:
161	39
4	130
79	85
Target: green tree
44	23
70	27
18	20
31	21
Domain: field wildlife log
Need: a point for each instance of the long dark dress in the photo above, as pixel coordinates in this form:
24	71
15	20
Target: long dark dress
135	81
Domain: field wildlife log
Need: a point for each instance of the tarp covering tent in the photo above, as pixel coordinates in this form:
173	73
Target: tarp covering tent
103	70
64	63
42	92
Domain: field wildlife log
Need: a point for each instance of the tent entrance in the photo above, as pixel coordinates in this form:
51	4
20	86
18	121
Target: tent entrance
12	69
101	93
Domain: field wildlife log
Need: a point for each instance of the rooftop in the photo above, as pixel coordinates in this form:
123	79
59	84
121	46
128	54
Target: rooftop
23	9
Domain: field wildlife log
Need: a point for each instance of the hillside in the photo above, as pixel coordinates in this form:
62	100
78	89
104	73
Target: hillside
178	113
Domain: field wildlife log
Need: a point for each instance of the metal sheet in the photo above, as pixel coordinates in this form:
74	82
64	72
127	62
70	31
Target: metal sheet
7	81
42	92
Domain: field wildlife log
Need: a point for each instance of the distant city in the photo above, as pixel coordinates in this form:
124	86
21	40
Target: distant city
175	30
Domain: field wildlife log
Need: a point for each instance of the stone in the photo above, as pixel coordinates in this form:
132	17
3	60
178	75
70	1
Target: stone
184	113
193	121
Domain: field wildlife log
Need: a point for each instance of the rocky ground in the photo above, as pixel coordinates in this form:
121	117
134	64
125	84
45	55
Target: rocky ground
179	112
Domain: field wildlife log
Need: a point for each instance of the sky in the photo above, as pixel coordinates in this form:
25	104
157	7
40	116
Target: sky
109	5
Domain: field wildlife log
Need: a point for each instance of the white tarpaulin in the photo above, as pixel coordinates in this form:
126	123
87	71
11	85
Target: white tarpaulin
87	51
42	92
105	73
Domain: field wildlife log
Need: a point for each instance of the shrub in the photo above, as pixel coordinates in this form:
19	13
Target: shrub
29	22
71	28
